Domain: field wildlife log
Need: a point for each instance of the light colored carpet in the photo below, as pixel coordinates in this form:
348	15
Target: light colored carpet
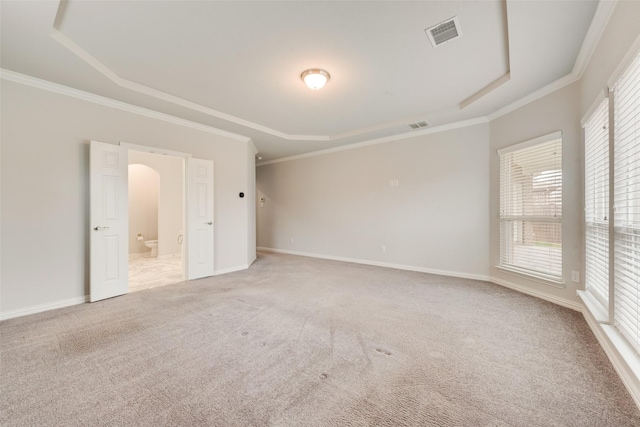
296	341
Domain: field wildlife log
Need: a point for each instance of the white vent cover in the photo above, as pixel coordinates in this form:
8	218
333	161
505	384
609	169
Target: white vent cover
444	31
418	125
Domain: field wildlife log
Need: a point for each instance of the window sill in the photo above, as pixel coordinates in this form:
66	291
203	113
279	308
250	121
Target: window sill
558	283
624	358
595	308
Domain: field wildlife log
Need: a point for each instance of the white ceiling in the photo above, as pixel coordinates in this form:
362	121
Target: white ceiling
236	65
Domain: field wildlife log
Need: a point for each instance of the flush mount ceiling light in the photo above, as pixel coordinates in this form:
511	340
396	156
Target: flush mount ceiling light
315	78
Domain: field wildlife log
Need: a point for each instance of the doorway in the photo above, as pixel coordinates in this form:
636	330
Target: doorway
156	220
109	217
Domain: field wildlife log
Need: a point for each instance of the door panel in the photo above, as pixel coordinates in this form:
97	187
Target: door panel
109	221
200	218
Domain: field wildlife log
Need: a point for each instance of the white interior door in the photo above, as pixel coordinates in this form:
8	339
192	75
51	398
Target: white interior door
199	218
109	221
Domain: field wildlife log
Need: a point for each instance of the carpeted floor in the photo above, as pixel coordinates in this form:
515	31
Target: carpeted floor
296	341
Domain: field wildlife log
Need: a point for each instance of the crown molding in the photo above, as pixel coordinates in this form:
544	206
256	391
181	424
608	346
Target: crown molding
392	138
26	80
73	47
534	96
628	58
599	22
601	17
65	41
486	90
253	147
158	94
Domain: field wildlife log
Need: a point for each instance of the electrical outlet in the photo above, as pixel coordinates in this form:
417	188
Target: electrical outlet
383	248
575	276
292	240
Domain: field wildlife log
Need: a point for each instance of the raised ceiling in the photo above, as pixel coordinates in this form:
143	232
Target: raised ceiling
236	65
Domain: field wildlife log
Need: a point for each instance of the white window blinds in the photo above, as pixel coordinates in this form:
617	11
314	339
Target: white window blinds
596	194
531	208
626	175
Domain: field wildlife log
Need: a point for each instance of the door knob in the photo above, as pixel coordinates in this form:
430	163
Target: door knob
98	228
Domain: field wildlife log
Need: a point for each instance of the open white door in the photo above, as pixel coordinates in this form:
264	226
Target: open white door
109	221
199	218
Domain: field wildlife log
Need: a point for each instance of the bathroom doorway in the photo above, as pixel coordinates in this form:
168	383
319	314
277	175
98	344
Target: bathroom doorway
156	220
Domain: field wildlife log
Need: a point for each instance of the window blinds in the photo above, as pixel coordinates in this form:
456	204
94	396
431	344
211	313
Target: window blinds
626	175
531	209
596	177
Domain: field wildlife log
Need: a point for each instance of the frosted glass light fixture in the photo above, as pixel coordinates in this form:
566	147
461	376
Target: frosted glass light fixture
315	78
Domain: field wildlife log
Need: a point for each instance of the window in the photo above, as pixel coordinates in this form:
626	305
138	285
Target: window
596	195
531	208
626	178
624	246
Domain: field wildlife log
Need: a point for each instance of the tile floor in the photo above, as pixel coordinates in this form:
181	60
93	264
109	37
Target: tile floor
146	272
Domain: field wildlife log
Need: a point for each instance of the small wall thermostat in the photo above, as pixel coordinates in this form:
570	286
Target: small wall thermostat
241	195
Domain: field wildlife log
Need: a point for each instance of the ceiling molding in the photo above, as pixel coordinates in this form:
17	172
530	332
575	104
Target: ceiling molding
534	96
392	138
57	34
253	147
12	76
594	33
631	54
601	17
501	80
485	90
158	94
596	29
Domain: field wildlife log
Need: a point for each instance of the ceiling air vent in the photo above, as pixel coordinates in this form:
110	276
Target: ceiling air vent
444	31
418	125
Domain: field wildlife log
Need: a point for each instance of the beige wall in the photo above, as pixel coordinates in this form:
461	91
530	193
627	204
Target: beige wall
558	111
170	211
621	32
45	189
143	206
562	110
341	204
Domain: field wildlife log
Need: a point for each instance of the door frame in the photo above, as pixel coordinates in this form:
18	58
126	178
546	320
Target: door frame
185	205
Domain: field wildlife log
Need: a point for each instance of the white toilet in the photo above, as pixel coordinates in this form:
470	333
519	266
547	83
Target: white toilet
153	244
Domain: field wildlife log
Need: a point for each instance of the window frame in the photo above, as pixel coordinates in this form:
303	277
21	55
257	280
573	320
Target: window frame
623	253
597	116
625	175
539	276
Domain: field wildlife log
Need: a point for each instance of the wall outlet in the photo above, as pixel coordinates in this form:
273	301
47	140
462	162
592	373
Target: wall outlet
292	240
383	248
393	183
575	276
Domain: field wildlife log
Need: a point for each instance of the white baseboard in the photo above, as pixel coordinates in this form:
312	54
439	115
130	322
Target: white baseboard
79	300
542	295
231	270
624	359
43	307
382	264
